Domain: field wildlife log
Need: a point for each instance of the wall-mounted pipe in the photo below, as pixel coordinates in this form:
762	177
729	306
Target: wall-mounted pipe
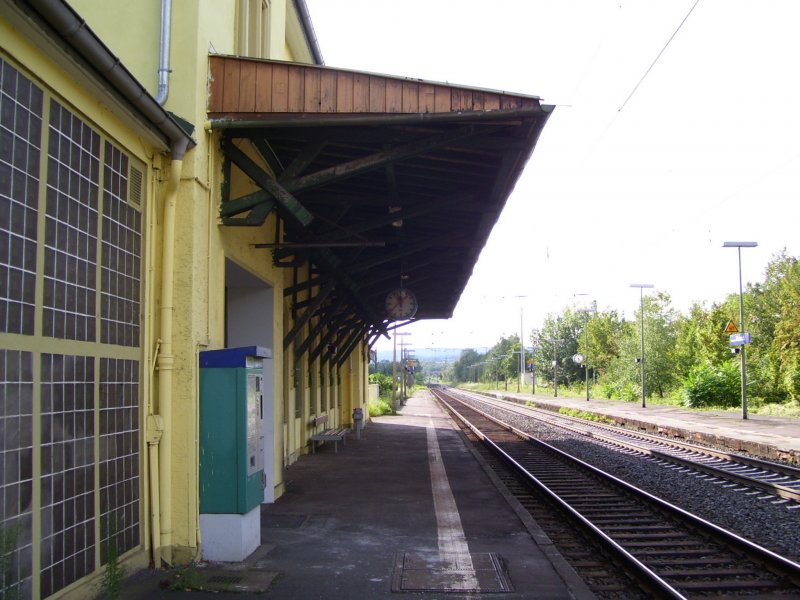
166	358
163	52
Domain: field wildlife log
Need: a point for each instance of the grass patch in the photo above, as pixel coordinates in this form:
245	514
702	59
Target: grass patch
183	578
587	416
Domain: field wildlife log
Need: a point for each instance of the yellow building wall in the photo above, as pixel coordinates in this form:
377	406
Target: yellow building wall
131	31
67	90
201	243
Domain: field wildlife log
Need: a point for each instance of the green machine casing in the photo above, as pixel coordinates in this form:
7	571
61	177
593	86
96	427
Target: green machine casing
231	430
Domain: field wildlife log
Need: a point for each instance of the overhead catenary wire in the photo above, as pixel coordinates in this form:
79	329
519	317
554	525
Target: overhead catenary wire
653	64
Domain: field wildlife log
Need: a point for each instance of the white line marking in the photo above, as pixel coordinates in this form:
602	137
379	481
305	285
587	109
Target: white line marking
453	548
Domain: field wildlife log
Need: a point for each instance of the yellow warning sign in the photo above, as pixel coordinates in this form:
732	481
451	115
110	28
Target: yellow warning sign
731	327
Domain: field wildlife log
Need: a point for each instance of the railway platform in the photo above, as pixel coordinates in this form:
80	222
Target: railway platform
406	510
775	438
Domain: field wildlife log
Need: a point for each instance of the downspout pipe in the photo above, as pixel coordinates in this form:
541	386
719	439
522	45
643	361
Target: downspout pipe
163	52
166	359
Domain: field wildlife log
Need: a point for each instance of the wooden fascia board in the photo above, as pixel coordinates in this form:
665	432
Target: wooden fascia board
244	85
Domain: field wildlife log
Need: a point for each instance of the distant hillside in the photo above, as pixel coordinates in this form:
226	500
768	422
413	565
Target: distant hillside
430	354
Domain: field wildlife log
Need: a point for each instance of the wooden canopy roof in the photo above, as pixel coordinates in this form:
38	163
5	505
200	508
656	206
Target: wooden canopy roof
376	178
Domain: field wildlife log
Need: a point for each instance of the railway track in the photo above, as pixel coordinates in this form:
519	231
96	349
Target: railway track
668	551
778	480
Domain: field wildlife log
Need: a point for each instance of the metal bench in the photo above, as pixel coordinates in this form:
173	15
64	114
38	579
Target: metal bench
327	435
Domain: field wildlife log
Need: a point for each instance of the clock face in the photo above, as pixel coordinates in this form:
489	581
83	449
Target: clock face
401	304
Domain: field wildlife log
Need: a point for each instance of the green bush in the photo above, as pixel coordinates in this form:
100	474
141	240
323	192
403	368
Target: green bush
608	389
707	385
380	407
384	383
629	392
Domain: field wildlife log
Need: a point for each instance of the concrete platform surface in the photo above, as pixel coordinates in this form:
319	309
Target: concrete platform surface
771	437
406	511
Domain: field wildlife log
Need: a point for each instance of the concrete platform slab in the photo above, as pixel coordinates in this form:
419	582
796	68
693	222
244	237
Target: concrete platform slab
346	517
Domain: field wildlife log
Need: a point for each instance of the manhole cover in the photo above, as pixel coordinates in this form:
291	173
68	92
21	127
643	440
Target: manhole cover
420	572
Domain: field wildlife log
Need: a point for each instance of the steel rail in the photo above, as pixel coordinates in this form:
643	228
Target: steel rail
615	437
778	565
650	580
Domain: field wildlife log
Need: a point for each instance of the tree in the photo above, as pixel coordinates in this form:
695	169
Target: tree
701	338
605	331
565	328
504	358
384	367
774	321
660	333
660	328
463	367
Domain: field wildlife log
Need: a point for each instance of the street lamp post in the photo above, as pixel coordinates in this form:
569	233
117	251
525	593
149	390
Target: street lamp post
521	352
534	348
555	342
641	287
394	364
586	342
739	246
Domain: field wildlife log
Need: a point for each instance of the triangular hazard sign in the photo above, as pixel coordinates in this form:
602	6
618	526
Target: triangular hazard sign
731	327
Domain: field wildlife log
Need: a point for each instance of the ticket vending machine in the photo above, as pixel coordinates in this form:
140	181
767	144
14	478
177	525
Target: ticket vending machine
231	451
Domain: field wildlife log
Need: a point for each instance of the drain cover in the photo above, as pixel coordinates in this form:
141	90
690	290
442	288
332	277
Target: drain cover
421	572
224	580
251	581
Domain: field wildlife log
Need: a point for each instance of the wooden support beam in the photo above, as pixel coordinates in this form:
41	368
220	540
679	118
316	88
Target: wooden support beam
303	320
332	332
268	154
305	285
351	344
284	198
404	214
302	160
382	158
398	254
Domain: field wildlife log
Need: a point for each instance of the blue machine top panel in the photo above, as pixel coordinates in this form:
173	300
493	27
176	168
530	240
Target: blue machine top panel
227	358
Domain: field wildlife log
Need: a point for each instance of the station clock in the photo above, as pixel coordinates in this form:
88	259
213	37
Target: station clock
401	303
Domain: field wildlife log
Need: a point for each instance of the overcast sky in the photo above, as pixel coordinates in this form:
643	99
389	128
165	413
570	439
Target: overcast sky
627	184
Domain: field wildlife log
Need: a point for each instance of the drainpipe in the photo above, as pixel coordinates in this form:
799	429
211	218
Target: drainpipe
163	52
166	358
155	429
